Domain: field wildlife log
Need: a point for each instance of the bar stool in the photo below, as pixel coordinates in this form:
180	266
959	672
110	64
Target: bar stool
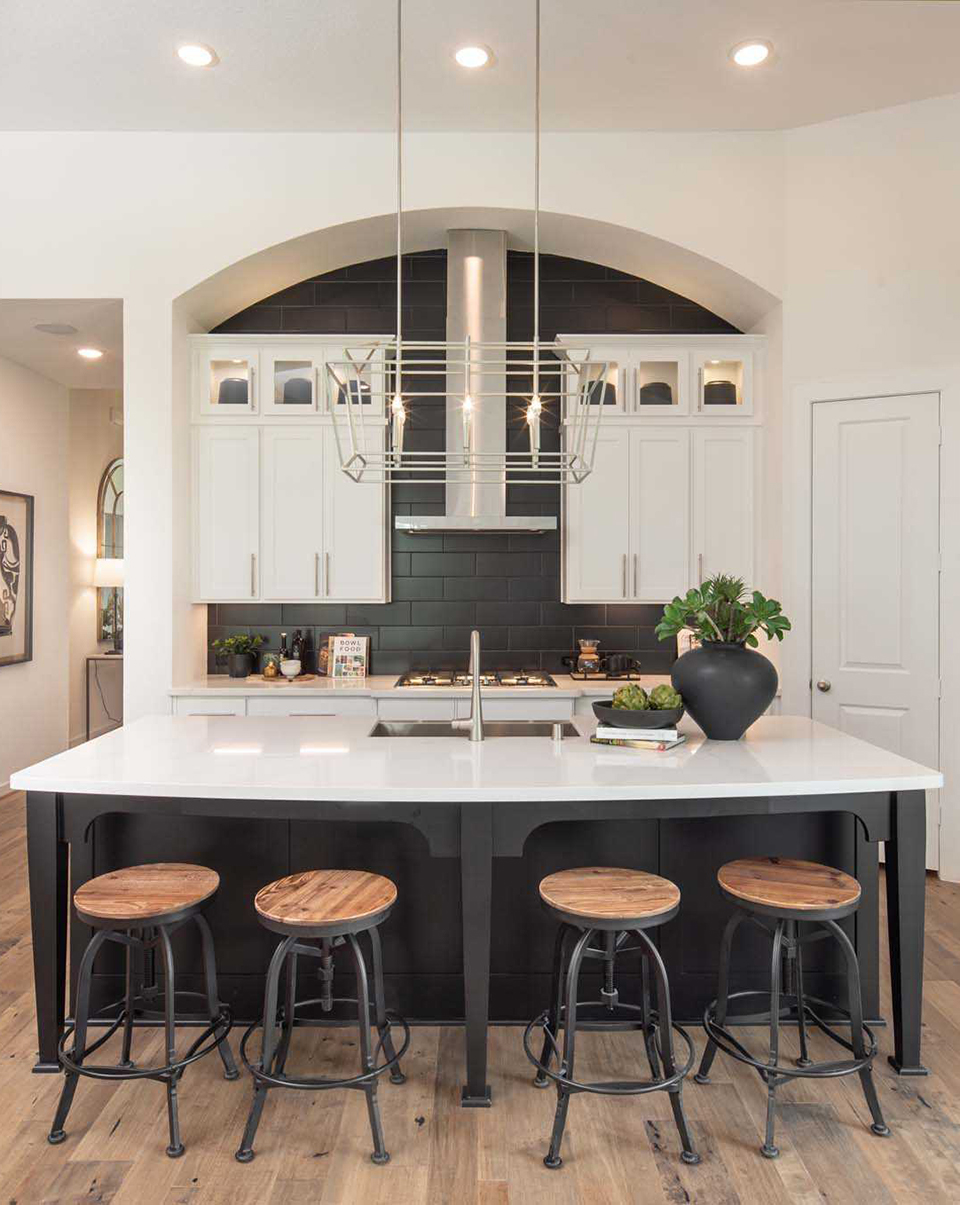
608	904
791	893
327	908
140	907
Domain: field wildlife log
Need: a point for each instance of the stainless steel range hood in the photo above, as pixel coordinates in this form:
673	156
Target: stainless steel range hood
476	308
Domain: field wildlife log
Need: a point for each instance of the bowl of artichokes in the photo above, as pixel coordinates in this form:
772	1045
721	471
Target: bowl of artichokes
634	707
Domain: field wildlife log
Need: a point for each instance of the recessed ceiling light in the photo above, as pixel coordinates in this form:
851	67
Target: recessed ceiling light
89	353
751	54
473	56
55	328
195	54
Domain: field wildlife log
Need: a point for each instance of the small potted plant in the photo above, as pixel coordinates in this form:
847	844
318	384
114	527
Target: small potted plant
240	652
724	683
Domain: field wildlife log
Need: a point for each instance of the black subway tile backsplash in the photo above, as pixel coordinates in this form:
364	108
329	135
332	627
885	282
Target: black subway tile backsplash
444	584
445	612
476	587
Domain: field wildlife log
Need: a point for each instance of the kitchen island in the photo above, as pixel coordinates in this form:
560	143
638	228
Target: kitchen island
466	830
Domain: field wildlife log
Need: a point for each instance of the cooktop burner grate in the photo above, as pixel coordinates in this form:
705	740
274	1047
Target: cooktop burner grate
448	677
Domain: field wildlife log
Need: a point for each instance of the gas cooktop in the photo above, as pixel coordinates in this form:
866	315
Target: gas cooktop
500	677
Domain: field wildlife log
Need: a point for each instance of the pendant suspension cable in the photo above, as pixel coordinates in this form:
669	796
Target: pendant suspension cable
536	209
397	393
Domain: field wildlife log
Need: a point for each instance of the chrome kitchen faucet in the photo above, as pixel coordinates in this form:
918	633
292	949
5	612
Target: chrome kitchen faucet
475	722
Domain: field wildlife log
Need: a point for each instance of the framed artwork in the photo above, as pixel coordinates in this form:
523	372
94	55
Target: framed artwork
16	578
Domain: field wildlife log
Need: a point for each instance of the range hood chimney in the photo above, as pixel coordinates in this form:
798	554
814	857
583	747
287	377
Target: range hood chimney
476	307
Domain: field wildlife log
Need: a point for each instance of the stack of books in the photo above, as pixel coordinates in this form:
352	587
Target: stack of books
638	738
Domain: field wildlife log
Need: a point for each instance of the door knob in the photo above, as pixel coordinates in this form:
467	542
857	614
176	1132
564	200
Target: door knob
823	685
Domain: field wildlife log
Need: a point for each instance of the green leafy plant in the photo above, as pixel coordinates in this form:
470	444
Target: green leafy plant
233	645
721	611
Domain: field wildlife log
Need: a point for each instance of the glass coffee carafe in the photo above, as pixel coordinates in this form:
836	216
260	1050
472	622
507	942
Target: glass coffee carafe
588	659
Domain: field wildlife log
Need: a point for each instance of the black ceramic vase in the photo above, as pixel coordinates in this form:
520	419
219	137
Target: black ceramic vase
725	687
240	664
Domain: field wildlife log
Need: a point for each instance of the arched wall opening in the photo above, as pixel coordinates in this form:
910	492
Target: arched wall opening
741	302
713	285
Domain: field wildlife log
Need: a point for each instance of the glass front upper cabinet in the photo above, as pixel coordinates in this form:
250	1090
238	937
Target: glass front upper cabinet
292	380
724	382
227	379
604	380
662	386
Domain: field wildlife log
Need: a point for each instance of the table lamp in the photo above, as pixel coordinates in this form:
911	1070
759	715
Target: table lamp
108	575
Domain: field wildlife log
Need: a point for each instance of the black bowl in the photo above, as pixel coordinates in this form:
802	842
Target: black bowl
620	717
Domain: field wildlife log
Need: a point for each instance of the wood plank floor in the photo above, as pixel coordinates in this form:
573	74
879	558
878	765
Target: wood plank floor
314	1147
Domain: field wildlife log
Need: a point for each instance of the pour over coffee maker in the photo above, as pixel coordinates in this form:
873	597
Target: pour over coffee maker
588	659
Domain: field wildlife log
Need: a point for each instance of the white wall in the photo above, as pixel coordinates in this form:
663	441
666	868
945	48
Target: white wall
34	418
94	441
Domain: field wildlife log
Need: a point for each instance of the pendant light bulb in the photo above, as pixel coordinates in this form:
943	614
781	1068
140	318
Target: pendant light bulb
397	406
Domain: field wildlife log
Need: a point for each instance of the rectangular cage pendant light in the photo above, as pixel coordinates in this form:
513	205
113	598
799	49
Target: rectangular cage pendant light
372	391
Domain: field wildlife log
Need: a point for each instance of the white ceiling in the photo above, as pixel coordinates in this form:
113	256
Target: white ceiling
99	323
329	64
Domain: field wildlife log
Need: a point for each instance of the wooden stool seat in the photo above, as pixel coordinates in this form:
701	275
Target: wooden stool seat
609	896
350	899
788	886
137	895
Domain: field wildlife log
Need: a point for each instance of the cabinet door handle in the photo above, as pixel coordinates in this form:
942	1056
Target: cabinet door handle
326	573
700	389
253	575
253	390
699	568
634	574
316	573
624	573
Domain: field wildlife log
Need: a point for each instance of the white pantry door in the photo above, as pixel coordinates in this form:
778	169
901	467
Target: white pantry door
876	564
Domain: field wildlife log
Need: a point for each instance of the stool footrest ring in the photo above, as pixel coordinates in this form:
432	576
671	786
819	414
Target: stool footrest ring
725	1041
316	1083
612	1087
217	1030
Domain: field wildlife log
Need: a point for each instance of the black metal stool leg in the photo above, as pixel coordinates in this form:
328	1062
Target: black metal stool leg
289	1013
213	995
176	1148
769	1148
804	1060
665	1030
380	1153
245	1151
552	1158
130	992
380	1007
879	1126
646	1017
723	990
57	1132
552	1027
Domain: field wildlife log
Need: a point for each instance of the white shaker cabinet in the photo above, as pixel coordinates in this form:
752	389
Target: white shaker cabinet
227	513
292	480
660	512
276	519
664	507
355	522
724	525
627	531
597	525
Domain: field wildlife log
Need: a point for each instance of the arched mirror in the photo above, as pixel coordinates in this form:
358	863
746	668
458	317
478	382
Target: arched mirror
110	547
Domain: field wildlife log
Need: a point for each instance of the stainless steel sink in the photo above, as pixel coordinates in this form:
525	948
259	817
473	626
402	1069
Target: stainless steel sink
491	729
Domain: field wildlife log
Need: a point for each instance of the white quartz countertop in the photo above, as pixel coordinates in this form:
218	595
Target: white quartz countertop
380	686
335	758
